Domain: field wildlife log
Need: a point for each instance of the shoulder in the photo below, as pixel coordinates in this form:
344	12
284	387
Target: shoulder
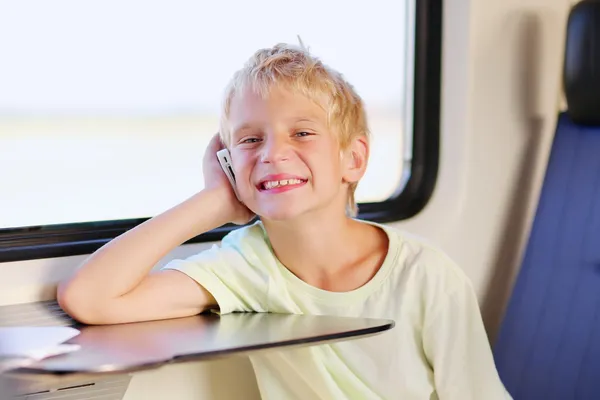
425	263
242	247
236	271
430	278
249	239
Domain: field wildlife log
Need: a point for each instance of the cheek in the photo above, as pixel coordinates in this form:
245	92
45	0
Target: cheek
242	168
327	169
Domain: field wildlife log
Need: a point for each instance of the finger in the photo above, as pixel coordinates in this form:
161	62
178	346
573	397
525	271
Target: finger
216	143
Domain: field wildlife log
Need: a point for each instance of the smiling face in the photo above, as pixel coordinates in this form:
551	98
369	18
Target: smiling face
287	161
297	132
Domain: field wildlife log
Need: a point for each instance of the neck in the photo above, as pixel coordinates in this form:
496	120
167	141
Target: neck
319	252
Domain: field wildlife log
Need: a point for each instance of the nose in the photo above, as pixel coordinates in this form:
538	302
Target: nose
275	149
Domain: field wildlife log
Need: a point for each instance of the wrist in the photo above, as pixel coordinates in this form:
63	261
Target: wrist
210	205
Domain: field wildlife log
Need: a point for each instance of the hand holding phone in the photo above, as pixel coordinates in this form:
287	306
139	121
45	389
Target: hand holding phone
225	161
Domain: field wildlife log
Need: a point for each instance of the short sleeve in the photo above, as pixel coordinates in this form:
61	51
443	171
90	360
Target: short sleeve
236	284
457	347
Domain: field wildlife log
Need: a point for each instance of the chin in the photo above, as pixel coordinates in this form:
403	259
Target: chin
279	212
278	215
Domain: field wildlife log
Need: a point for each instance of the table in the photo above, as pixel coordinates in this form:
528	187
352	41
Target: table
125	348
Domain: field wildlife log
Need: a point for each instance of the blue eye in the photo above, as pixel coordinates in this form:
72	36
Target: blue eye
250	140
303	134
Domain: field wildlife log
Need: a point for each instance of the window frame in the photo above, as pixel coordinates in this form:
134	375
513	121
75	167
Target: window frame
62	240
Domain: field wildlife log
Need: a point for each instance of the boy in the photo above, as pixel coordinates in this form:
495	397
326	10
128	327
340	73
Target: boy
299	144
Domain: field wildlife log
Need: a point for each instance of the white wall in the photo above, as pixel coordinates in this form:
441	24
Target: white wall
501	76
499	116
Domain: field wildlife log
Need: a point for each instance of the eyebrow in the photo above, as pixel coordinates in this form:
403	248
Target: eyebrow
247	126
241	128
304	120
311	120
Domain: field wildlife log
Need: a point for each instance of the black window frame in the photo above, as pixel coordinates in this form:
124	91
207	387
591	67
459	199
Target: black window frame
62	240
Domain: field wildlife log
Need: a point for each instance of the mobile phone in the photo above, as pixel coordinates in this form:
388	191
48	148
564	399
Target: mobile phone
225	161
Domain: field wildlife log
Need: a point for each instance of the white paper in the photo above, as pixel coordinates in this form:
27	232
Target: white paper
36	343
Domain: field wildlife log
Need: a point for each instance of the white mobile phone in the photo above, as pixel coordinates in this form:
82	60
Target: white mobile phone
225	161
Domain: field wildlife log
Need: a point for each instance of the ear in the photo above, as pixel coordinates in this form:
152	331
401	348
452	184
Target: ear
355	159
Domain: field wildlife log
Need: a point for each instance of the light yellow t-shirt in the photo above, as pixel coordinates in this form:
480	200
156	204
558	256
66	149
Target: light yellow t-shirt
438	348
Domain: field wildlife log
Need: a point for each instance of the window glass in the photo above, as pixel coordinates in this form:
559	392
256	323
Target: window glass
106	106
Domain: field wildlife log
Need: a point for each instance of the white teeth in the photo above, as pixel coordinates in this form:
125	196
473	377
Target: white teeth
273	184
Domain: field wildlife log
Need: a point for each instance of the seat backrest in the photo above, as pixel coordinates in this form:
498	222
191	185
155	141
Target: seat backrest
549	342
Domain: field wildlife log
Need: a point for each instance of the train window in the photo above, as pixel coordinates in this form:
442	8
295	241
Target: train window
106	107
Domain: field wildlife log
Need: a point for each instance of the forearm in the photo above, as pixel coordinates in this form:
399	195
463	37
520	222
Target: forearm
120	265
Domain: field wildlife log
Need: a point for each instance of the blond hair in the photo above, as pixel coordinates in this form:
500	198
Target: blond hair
294	68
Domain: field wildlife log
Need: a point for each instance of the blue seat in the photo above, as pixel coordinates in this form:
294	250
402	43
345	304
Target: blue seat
548	346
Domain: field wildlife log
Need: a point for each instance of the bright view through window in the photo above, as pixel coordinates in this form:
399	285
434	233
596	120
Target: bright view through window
106	107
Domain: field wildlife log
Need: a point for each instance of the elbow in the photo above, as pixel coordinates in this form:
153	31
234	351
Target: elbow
71	302
79	304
